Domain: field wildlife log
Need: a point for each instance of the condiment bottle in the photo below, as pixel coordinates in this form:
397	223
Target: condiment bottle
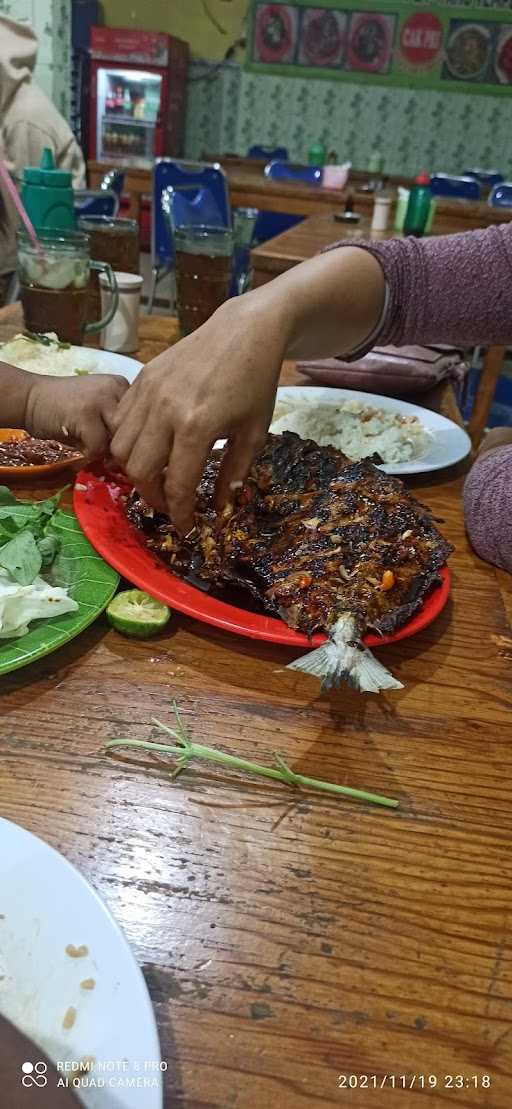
381	209
418	207
317	154
47	194
375	162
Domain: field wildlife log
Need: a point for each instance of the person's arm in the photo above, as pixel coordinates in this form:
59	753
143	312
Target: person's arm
68	409
447	288
220	382
488	500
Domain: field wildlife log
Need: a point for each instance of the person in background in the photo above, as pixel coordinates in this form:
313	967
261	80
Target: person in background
29	122
488	499
220	381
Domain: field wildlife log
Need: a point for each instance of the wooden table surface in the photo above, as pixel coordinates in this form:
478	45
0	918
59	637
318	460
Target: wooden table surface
289	939
321	230
304	241
250	188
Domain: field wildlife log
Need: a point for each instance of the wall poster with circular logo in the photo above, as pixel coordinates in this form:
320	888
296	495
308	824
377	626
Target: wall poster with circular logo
275	33
322	39
450	45
421	41
370	42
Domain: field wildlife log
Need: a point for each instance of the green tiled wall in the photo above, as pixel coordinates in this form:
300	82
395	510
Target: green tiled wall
229	109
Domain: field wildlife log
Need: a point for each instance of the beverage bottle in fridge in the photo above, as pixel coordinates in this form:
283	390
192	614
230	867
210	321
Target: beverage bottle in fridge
151	103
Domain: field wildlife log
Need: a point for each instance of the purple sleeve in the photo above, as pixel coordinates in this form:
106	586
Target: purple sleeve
447	288
487	506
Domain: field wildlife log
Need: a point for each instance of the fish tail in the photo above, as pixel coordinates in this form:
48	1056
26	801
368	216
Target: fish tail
344	658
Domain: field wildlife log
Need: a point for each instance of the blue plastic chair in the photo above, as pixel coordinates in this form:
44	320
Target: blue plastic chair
293	171
270	224
196	210
487	178
113	181
268	153
501	195
191	178
95	202
458	188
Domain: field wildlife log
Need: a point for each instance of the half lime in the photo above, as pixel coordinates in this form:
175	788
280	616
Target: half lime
135	613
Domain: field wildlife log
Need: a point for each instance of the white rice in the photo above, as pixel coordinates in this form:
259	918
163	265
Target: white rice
354	428
54	359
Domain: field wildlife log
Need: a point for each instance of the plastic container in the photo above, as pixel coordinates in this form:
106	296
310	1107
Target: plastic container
317	154
418	208
336	177
401	208
381	213
376	162
121	334
47	194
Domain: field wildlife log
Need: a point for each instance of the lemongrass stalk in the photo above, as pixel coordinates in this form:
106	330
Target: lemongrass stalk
186	750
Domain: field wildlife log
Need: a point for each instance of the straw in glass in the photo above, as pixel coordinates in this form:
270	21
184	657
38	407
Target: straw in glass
21	210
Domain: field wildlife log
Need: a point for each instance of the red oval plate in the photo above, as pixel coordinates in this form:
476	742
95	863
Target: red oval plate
98	506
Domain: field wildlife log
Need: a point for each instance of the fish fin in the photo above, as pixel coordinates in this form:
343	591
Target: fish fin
344	658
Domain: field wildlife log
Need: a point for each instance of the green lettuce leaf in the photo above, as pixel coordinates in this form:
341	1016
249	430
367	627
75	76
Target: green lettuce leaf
21	557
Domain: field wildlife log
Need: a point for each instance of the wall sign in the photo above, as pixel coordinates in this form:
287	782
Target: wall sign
455	45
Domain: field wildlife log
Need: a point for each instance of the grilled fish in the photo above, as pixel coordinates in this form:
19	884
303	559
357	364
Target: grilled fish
325	543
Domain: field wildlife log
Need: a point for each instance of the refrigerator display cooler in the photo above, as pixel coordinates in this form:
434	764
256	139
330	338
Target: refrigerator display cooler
138	89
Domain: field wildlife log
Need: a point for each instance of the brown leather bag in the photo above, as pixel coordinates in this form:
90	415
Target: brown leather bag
390	371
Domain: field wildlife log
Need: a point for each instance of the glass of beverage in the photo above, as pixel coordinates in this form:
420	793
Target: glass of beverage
111	240
54	284
204	259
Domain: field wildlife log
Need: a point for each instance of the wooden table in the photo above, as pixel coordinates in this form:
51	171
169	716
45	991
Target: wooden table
304	241
287	940
249	188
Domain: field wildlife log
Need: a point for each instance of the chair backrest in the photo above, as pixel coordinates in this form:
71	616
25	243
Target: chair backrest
486	177
189	178
270	154
95	202
292	171
501	195
195	208
460	188
270	224
113	181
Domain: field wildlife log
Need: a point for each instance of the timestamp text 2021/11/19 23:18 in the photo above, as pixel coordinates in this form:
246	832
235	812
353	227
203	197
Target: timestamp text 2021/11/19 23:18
414	1081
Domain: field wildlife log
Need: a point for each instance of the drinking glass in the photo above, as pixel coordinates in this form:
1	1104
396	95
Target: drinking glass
54	284
204	260
113	240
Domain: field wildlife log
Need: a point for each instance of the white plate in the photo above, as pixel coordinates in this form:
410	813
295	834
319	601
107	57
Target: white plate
107	363
46	905
448	442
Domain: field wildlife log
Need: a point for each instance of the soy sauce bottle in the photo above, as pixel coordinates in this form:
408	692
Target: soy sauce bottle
418	208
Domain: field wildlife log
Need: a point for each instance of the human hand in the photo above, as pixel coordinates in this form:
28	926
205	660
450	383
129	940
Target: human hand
217	383
79	409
